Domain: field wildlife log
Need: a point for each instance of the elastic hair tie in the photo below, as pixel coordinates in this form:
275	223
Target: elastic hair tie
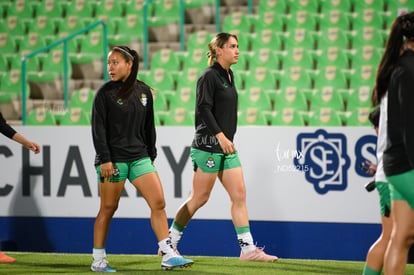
124	51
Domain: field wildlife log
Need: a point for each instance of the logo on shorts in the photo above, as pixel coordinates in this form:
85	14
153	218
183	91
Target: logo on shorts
325	156
210	162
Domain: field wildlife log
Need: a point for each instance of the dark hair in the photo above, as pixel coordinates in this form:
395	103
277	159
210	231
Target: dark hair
218	41
374	117
129	55
403	26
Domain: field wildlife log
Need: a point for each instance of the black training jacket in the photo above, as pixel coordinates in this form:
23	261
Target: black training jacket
399	153
123	131
216	108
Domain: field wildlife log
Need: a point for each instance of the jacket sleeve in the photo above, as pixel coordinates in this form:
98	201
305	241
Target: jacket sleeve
99	134
150	133
205	102
5	128
406	101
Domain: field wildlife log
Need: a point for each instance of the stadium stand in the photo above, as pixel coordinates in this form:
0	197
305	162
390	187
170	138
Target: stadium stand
288	41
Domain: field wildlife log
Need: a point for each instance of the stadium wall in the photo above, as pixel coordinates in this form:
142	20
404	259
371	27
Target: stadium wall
305	194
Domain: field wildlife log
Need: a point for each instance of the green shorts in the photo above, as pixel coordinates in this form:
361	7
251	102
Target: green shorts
402	187
129	170
213	162
385	198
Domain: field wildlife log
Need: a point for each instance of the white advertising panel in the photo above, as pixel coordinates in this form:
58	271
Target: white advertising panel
291	174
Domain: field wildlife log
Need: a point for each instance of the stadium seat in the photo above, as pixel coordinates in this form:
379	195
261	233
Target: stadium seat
81	8
287	116
266	38
75	116
297	57
252	116
275	5
265	57
260	77
361	83
332	56
51	9
395	8
178	116
299	38
294	78
167	9
269	19
167	59
199	39
237	23
40	116
195	58
377	5
290	97
329	85
366	55
325	116
333	36
334	18
82	98
23	9
109	9
129	30
45	27
162	81
301	19
199	12
342	5
373	17
8	45
299	5
185	95
358	117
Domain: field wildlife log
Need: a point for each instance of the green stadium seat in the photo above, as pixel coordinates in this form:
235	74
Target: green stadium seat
279	6
269	19
299	5
167	9
370	16
45	27
266	38
361	83
377	5
237	23
199	12
252	116
130	29
290	98
366	54
334	18
40	116
264	57
199	39
162	81
195	59
109	9
333	36
297	57
299	38
82	98
75	116
367	35
81	8
8	46
254	96
358	117
51	9
344	6
302	19
326	116
287	116
23	9
395	8
185	96
332	56
294	78
178	116
16	26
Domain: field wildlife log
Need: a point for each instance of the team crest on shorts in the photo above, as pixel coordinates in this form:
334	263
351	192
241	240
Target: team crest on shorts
210	162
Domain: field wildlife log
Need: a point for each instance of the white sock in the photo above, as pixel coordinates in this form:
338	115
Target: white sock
98	254
175	236
246	242
166	249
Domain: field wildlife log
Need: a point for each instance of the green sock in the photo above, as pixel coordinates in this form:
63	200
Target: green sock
369	271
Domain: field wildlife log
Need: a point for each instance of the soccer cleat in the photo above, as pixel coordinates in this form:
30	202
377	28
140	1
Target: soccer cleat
160	253
257	255
175	262
102	266
6	259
